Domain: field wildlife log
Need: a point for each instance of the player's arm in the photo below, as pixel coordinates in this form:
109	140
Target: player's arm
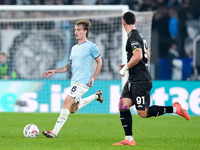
65	68
137	56
98	68
135	59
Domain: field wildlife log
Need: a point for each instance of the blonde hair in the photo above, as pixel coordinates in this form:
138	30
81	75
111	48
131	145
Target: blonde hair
86	25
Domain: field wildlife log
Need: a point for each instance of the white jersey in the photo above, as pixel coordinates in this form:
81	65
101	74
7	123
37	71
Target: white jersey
82	56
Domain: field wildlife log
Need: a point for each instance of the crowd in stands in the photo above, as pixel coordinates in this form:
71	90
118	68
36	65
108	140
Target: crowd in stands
169	19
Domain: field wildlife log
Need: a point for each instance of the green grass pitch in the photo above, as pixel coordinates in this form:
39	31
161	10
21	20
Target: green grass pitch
99	132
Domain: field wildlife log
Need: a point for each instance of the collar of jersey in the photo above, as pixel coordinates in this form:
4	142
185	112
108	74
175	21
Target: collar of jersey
83	43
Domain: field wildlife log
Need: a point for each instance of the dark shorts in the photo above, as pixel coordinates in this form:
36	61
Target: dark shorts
139	93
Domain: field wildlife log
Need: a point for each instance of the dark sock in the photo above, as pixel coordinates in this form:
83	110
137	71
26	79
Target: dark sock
126	120
159	110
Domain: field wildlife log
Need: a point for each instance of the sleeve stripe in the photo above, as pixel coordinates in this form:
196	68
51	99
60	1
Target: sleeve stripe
137	49
97	56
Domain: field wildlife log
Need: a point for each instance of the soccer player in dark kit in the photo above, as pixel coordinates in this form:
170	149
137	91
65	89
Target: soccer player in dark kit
137	89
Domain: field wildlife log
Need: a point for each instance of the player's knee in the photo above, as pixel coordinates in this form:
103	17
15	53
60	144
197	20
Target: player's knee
123	106
142	114
65	104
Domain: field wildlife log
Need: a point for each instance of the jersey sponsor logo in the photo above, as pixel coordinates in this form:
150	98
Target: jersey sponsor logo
134	43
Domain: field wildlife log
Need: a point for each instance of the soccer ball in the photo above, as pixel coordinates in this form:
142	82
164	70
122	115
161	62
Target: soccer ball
31	131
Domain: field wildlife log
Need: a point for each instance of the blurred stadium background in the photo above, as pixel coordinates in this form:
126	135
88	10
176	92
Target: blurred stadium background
38	38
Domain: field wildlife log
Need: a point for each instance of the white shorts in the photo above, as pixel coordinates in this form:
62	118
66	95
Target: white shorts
77	90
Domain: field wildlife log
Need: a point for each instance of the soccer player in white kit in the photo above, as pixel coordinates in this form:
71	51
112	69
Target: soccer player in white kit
82	55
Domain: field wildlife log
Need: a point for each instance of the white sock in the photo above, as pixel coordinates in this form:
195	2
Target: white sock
129	138
174	109
61	120
87	100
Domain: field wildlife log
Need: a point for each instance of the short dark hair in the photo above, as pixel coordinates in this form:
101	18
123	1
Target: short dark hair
129	18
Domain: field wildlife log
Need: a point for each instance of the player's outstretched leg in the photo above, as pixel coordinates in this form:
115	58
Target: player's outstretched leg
125	142
97	96
49	134
100	97
180	111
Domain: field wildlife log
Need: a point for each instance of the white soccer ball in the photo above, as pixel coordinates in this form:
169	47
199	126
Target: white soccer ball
31	131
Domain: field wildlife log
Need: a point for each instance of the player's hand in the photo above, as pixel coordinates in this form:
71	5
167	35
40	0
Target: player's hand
121	66
122	75
123	69
91	82
48	73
